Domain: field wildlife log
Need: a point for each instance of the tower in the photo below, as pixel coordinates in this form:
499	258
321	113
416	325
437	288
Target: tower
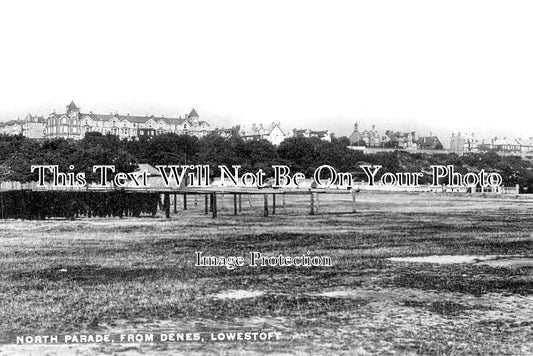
194	117
72	110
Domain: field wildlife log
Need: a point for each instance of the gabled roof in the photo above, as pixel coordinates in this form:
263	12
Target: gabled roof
151	170
428	140
274	126
193	113
72	106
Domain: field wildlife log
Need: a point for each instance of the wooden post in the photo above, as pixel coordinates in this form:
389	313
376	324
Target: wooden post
317	203
283	201
166	204
273	204
175	203
206	204
312	205
214	205
265	210
353	202
235	204
240	202
250	201
184	201
211	202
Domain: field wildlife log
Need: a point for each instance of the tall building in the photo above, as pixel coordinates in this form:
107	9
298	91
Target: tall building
75	124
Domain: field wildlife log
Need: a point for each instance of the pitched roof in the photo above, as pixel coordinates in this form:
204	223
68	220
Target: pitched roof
193	113
72	106
428	140
151	170
135	119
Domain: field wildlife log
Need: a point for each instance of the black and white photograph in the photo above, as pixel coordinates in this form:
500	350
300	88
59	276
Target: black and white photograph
266	177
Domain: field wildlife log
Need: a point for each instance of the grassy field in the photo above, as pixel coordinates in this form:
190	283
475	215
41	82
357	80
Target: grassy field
138	275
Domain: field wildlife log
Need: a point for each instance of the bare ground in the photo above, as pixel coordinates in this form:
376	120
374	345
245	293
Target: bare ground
138	275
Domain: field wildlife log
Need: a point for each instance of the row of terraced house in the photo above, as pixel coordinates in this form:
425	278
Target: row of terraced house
74	124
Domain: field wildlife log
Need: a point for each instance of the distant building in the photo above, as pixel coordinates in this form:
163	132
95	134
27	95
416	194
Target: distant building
505	145
430	142
31	127
12	127
368	138
74	124
397	139
464	143
325	135
526	145
271	133
391	139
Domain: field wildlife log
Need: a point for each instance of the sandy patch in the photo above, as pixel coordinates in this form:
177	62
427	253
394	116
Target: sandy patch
238	294
481	260
444	259
509	262
338	294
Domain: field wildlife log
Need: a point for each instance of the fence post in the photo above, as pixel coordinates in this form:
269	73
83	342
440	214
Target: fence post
206	204
166	204
265	209
273	204
312	205
353	202
214	205
234	203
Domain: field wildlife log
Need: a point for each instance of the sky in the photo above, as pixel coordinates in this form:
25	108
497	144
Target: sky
435	67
